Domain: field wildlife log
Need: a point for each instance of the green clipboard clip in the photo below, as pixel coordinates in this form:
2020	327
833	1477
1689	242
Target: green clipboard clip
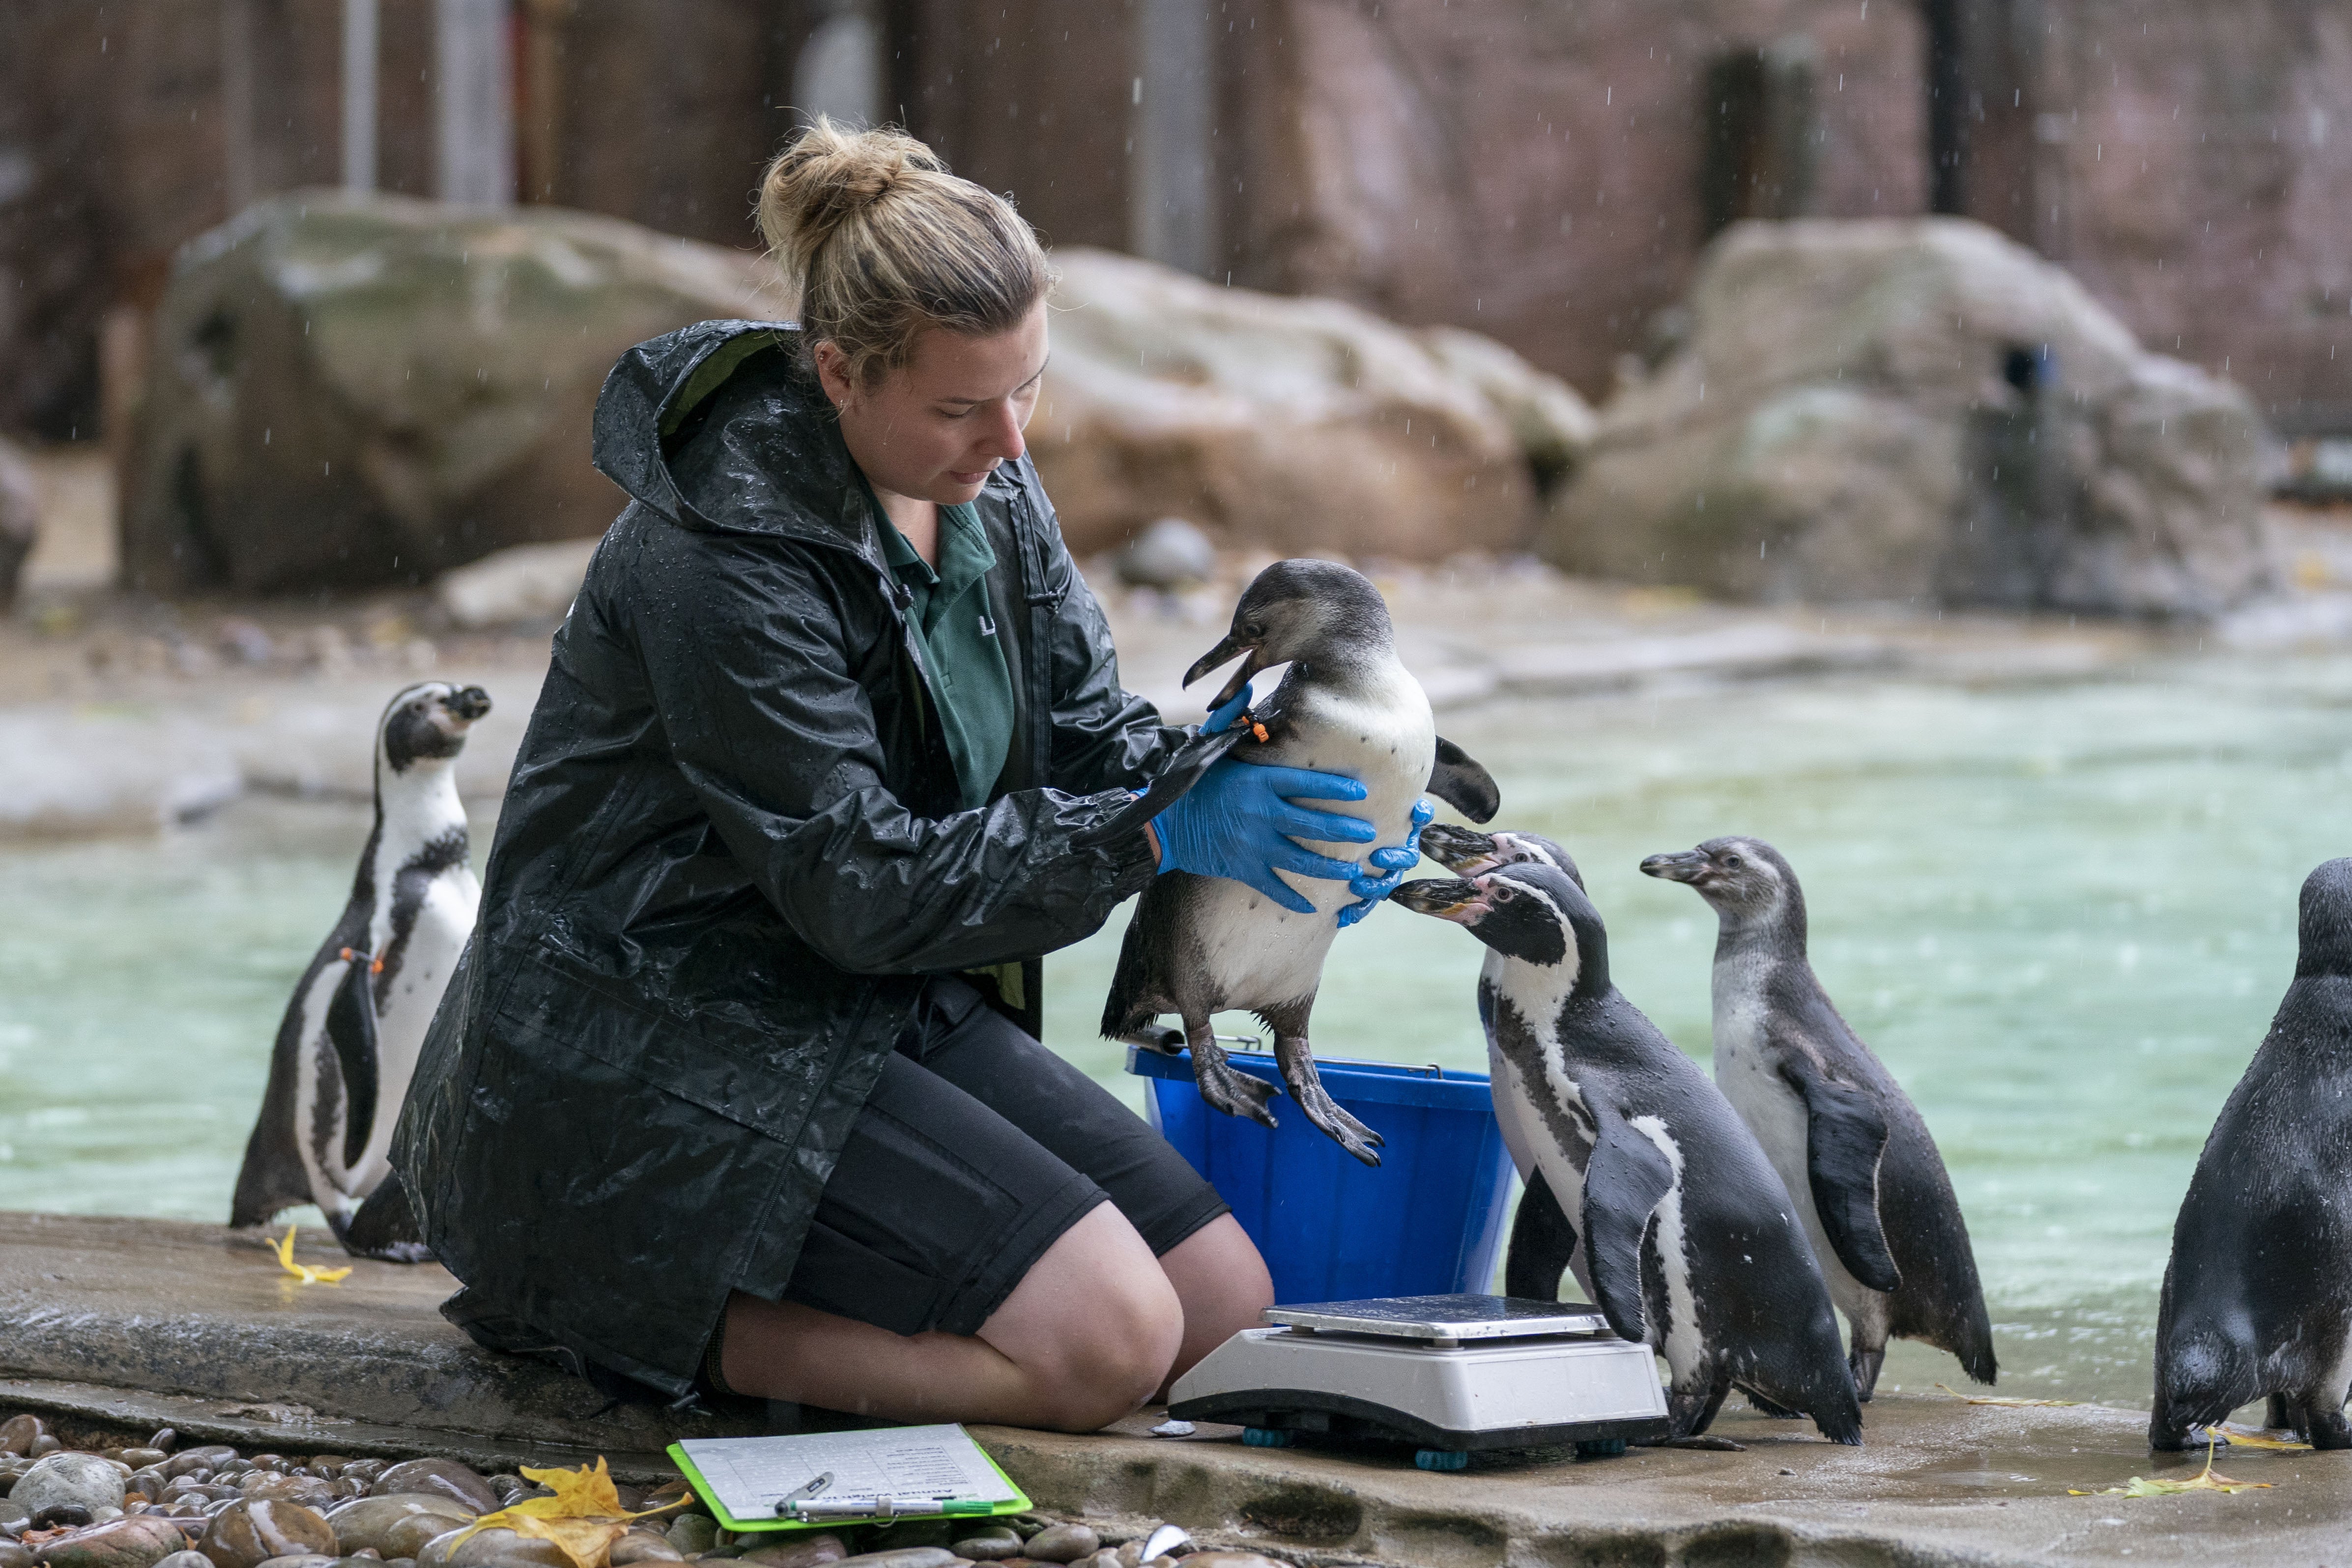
808	1507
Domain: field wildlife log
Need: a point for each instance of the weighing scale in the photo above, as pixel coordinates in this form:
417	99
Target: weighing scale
1448	1375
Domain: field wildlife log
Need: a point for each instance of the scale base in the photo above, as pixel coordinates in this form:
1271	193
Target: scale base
1450	1376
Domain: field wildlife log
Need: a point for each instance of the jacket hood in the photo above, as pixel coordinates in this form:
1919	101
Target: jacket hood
775	463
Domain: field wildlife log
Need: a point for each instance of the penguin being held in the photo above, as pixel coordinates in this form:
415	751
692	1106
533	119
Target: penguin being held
1684	1236
1200	945
351	1032
1858	1160
2258	1295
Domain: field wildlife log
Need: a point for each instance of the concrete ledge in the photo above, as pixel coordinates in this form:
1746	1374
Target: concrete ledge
142	1323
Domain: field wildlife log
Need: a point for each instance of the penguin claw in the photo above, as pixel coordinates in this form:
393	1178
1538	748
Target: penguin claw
1342	1128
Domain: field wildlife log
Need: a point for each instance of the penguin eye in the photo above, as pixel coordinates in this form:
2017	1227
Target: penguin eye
1732	862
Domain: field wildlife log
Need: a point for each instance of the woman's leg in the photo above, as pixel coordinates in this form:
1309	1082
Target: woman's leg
1083	1339
1223	1286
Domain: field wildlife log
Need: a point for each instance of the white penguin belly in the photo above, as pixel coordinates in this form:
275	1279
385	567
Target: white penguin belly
1775	1112
442	922
1383	737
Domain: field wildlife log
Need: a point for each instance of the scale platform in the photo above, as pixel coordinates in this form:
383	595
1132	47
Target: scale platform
1447	1374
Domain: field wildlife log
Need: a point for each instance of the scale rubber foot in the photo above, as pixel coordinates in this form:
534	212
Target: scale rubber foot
1600	1449
1267	1437
1441	1460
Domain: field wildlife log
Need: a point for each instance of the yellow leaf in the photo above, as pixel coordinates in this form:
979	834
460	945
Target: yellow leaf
2244	1438
1991	1399
305	1272
587	1542
2208	1481
583	1518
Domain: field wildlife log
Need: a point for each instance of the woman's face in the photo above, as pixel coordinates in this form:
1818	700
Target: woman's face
935	428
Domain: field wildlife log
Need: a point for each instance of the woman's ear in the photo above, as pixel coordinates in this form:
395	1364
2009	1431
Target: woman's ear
832	372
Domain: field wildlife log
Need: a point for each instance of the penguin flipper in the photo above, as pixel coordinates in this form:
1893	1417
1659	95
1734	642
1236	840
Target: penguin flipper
1460	781
1183	770
1845	1135
1625	1180
1543	1239
351	1029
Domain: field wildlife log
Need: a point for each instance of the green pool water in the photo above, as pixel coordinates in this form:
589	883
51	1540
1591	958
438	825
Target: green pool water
2063	914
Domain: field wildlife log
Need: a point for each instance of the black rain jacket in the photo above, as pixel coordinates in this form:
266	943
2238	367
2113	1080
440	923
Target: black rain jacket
730	849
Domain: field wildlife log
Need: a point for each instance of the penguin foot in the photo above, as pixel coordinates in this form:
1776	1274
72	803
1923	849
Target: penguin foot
1341	1128
1864	1364
2329	1429
1297	1060
394	1252
1234	1093
1700	1442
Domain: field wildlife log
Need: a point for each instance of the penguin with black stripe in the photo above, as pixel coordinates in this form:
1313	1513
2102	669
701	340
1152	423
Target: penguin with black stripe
1199	945
1682	1233
1860	1163
349	1039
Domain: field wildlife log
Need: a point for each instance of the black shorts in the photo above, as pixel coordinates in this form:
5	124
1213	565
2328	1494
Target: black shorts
978	1148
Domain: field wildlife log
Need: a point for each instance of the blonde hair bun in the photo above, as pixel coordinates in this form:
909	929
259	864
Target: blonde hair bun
879	242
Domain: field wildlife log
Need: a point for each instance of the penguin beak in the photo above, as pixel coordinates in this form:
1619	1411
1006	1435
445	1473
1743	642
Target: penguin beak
1461	851
1463	902
1226	649
1684	866
468	703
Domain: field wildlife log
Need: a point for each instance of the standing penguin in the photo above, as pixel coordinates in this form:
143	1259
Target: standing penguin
1860	1163
2258	1295
1199	944
357	1020
1687	1239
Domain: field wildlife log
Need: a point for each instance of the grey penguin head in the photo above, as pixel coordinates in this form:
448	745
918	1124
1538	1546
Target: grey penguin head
2324	921
1528	911
424	724
1746	880
1466	852
1306	612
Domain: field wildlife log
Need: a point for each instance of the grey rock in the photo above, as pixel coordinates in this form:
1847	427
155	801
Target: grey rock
302	1559
1170	553
1922	411
68	1478
190	1559
901	1557
693	1532
423	376
990	1546
18	1432
1063	1544
1287	423
644	1546
444	1477
495	1546
396	1525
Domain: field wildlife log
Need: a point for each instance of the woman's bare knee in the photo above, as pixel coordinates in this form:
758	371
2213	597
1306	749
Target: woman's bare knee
1094	1325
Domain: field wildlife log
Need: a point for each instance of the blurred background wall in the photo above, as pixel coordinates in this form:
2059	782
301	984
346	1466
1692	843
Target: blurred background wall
1545	172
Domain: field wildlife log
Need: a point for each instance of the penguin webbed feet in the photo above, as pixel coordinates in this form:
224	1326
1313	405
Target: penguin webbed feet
1297	1060
1864	1364
1226	1089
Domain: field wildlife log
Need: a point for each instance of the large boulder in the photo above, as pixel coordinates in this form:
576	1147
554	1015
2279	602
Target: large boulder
1293	425
1918	410
349	391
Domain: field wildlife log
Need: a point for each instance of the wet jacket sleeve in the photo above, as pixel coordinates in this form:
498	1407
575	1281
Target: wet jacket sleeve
1104	738
763	716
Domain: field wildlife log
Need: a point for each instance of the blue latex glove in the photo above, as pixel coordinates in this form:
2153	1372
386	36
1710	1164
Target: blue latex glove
1239	821
1395	861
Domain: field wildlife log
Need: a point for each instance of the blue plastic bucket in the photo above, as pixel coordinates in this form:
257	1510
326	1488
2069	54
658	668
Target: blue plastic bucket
1427	1221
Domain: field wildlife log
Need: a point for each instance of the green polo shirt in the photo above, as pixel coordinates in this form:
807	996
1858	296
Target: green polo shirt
970	683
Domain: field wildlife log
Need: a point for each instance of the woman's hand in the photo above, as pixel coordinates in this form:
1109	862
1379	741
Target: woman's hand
1395	861
1239	821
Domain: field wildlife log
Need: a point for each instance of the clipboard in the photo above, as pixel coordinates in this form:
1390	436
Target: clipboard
740	1479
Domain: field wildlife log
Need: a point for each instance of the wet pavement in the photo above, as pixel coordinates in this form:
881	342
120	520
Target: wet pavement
149	1323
